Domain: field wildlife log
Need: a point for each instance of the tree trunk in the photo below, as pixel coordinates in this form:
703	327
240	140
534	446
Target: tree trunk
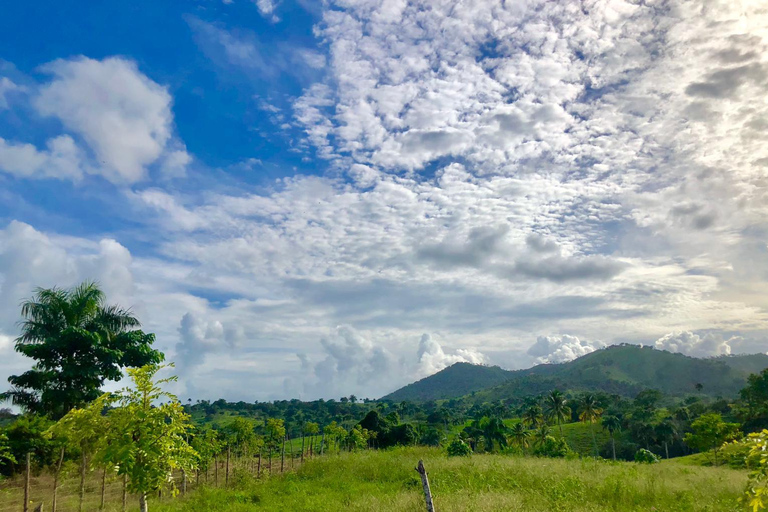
216	472
143	506
56	479
290	448
103	487
27	476
560	426
322	444
613	447
425	485
258	468
83	462
125	491
183	482
666	449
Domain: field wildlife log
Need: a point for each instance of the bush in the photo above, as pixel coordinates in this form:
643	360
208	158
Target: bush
459	448
644	456
552	447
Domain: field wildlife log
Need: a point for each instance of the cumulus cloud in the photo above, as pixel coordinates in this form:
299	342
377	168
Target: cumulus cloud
561	349
7	88
691	344
123	116
61	159
432	358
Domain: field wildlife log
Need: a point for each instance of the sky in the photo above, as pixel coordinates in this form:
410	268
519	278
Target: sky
322	198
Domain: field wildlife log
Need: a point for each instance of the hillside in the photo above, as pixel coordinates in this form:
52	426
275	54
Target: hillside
619	369
456	380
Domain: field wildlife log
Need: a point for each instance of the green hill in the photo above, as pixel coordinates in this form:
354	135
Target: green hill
456	380
619	369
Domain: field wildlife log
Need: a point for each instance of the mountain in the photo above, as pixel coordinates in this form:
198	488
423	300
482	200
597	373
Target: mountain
457	380
618	369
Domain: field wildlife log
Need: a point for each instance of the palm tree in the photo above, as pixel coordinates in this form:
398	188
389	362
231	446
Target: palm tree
78	342
646	433
666	432
533	416
590	412
556	408
612	424
493	429
542	434
520	435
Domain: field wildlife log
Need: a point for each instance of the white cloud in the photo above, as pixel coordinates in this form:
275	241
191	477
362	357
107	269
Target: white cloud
432	358
267	9
690	344
123	116
61	159
7	87
561	349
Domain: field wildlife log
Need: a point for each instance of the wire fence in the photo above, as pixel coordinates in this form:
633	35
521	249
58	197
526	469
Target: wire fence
102	489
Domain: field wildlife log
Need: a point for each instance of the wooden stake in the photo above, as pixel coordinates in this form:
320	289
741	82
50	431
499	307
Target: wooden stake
258	470
216	462
282	457
425	484
322	443
290	448
83	463
302	447
229	452
27	477
103	487
183	482
125	491
56	478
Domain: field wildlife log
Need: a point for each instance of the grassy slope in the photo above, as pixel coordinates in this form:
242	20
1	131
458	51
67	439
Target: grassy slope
386	480
454	381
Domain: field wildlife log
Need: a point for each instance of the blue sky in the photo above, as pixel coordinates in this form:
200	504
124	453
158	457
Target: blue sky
323	198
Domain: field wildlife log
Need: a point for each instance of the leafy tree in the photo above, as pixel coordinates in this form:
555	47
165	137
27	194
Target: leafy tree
710	432
644	456
432	437
274	433
494	431
556	408
29	434
519	435
207	445
459	448
612	425
6	456
334	434
590	412
756	497
755	396
147	441
78	342
241	436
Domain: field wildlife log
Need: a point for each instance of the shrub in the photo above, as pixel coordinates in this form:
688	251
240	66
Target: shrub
459	448
644	456
552	447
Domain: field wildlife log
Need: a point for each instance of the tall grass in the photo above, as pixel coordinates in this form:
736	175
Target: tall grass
386	480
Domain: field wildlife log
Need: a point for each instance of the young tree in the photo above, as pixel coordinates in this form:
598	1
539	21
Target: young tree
148	433
533	416
666	433
756	497
556	408
274	433
77	342
590	412
612	424
207	445
710	432
6	456
542	434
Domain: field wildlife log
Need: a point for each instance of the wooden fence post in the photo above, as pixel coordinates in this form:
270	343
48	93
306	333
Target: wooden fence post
83	463
27	477
56	479
103	487
302	447
183	482
125	491
216	465
425	484
322	443
290	448
229	453
258	468
282	457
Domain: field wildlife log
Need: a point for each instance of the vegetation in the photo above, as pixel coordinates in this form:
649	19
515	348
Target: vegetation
386	480
77	342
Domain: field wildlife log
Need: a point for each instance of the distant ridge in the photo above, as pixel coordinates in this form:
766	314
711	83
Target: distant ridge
619	369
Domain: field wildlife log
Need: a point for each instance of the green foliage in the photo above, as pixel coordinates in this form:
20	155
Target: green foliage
432	437
757	488
646	457
29	434
552	447
6	456
207	445
274	434
147	441
755	397
459	448
710	432
519	435
77	342
241	437
556	408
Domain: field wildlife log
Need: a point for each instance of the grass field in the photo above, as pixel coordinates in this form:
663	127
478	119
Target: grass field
386	480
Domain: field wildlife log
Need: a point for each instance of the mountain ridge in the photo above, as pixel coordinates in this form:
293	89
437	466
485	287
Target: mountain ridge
620	369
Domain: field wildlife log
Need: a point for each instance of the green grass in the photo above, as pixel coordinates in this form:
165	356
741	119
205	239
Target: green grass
386	480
